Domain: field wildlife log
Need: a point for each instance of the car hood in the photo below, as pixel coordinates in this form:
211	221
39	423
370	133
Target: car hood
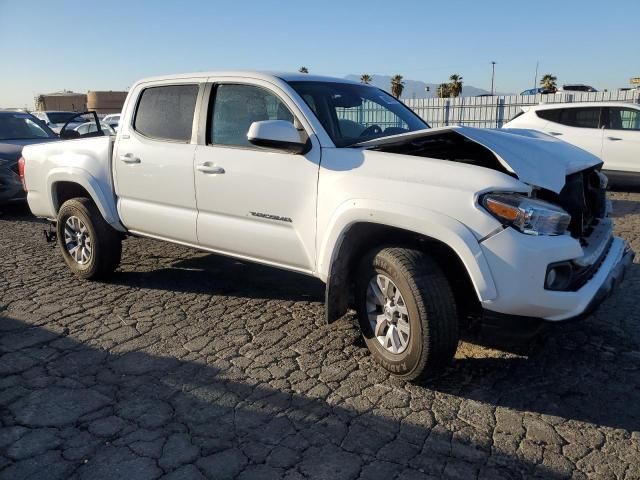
536	158
10	150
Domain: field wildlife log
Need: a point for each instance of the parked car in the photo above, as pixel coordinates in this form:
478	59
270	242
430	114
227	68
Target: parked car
90	127
577	87
55	120
415	228
537	91
112	120
17	129
609	130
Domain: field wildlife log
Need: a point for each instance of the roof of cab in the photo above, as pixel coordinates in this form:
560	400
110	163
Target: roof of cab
286	76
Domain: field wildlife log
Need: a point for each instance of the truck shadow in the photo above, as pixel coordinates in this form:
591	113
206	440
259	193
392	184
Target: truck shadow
107	413
587	370
18	212
219	275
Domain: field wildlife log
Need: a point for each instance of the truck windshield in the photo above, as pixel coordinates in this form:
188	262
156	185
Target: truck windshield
352	113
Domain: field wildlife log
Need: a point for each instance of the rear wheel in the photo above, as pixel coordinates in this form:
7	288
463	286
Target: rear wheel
90	246
407	312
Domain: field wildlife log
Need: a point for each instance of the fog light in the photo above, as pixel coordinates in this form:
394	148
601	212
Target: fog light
558	276
551	277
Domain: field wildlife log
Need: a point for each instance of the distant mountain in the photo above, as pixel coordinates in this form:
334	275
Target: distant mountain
416	88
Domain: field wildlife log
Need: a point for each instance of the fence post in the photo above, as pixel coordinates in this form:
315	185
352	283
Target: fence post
446	112
500	112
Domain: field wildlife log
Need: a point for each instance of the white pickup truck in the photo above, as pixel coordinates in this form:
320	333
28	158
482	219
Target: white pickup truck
415	228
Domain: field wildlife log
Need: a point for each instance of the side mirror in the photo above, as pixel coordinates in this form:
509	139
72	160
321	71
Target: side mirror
279	135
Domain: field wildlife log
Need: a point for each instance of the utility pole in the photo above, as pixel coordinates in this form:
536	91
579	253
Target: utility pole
493	74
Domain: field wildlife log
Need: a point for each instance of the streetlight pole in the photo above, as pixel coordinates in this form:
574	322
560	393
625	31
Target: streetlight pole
493	74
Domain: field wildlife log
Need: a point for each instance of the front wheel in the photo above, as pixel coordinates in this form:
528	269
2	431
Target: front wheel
90	246
407	312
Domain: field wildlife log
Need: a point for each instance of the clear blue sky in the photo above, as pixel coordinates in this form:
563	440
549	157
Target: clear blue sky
106	45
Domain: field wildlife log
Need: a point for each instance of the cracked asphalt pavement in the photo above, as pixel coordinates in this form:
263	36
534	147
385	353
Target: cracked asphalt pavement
186	365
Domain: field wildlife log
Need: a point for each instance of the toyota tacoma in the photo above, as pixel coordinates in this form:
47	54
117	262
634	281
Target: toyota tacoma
413	228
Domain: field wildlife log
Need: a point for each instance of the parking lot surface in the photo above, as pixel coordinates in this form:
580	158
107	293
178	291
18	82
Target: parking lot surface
186	365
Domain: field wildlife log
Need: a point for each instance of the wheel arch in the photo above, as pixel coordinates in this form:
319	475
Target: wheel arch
451	243
75	182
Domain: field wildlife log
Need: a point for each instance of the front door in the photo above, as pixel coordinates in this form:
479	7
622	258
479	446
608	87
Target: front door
621	144
254	202
154	164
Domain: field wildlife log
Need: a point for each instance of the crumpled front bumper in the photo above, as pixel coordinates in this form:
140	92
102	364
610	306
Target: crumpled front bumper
519	264
613	279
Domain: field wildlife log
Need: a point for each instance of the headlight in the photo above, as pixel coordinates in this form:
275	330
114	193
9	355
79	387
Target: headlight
530	216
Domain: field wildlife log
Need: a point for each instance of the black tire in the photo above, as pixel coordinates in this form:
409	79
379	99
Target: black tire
106	243
429	300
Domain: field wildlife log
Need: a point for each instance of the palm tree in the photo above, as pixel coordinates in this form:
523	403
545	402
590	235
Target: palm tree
397	85
455	85
548	82
366	78
444	90
303	70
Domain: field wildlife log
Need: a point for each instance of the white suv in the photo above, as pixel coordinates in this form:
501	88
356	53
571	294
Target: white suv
609	130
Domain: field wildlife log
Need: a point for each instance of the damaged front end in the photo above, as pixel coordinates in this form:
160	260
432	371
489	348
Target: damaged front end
561	257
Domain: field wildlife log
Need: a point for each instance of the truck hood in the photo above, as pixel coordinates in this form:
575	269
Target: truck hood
536	158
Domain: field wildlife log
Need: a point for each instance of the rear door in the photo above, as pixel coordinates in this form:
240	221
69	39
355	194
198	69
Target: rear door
621	144
580	126
254	202
153	161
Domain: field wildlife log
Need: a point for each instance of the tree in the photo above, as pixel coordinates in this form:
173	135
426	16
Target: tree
366	78
397	85
444	90
455	85
303	70
548	82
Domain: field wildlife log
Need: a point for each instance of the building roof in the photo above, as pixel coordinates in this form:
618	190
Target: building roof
64	93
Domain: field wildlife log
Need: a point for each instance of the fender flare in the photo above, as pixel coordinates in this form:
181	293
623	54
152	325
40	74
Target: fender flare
418	220
105	202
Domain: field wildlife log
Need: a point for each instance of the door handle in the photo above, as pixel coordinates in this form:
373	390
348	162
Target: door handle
128	158
209	169
555	134
614	139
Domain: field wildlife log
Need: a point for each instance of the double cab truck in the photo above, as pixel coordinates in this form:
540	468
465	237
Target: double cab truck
416	229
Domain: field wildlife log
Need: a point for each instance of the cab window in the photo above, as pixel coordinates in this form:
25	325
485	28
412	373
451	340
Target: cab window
166	112
235	107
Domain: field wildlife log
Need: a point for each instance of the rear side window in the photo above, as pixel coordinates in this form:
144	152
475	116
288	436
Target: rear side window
553	115
588	117
624	118
166	112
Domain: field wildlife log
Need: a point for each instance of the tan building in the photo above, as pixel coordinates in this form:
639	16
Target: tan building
102	102
68	101
106	102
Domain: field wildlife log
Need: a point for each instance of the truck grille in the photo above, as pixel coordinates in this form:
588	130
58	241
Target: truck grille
584	197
